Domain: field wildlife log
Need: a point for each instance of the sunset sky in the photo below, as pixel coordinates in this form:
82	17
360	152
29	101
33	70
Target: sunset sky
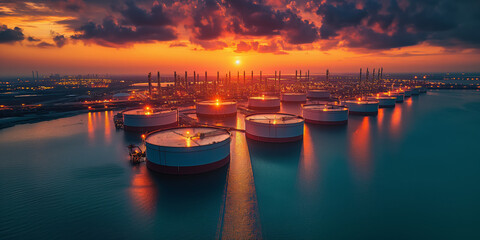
135	37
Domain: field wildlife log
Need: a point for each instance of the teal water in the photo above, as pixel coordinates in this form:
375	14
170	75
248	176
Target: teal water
411	172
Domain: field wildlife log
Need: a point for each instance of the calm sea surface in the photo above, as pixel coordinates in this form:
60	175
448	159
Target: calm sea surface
412	172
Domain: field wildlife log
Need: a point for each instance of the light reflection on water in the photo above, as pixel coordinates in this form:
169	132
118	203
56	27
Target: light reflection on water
372	176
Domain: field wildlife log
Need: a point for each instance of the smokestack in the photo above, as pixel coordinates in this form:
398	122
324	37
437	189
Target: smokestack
194	78
186	80
327	74
308	75
279	84
360	77
381	74
260	77
300	75
229	78
150	84
159	87
251	82
366	76
243	77
218	79
296	75
205	83
373	75
275	81
175	80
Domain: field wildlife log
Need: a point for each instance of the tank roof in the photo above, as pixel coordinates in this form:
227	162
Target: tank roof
293	93
383	97
362	102
141	111
274	118
323	107
220	102
264	98
188	137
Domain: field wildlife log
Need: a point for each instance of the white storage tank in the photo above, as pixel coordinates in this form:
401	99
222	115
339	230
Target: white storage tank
362	107
216	108
264	103
423	89
187	150
147	119
415	91
318	94
293	97
274	127
325	114
384	101
398	95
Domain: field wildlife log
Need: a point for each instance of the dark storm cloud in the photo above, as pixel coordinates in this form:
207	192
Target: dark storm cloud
337	15
59	40
137	25
208	20
111	34
33	39
137	16
391	24
255	18
298	31
363	24
8	35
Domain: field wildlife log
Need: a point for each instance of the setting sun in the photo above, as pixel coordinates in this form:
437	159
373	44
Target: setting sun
237	62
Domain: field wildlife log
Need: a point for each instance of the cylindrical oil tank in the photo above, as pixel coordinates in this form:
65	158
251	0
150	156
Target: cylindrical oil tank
415	90
274	127
147	119
264	103
325	114
408	93
384	101
216	108
187	150
318	94
399	96
293	97
362	107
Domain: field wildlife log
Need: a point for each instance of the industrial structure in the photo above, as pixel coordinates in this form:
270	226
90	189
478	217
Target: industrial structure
274	127
329	114
216	108
187	150
264	103
148	119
